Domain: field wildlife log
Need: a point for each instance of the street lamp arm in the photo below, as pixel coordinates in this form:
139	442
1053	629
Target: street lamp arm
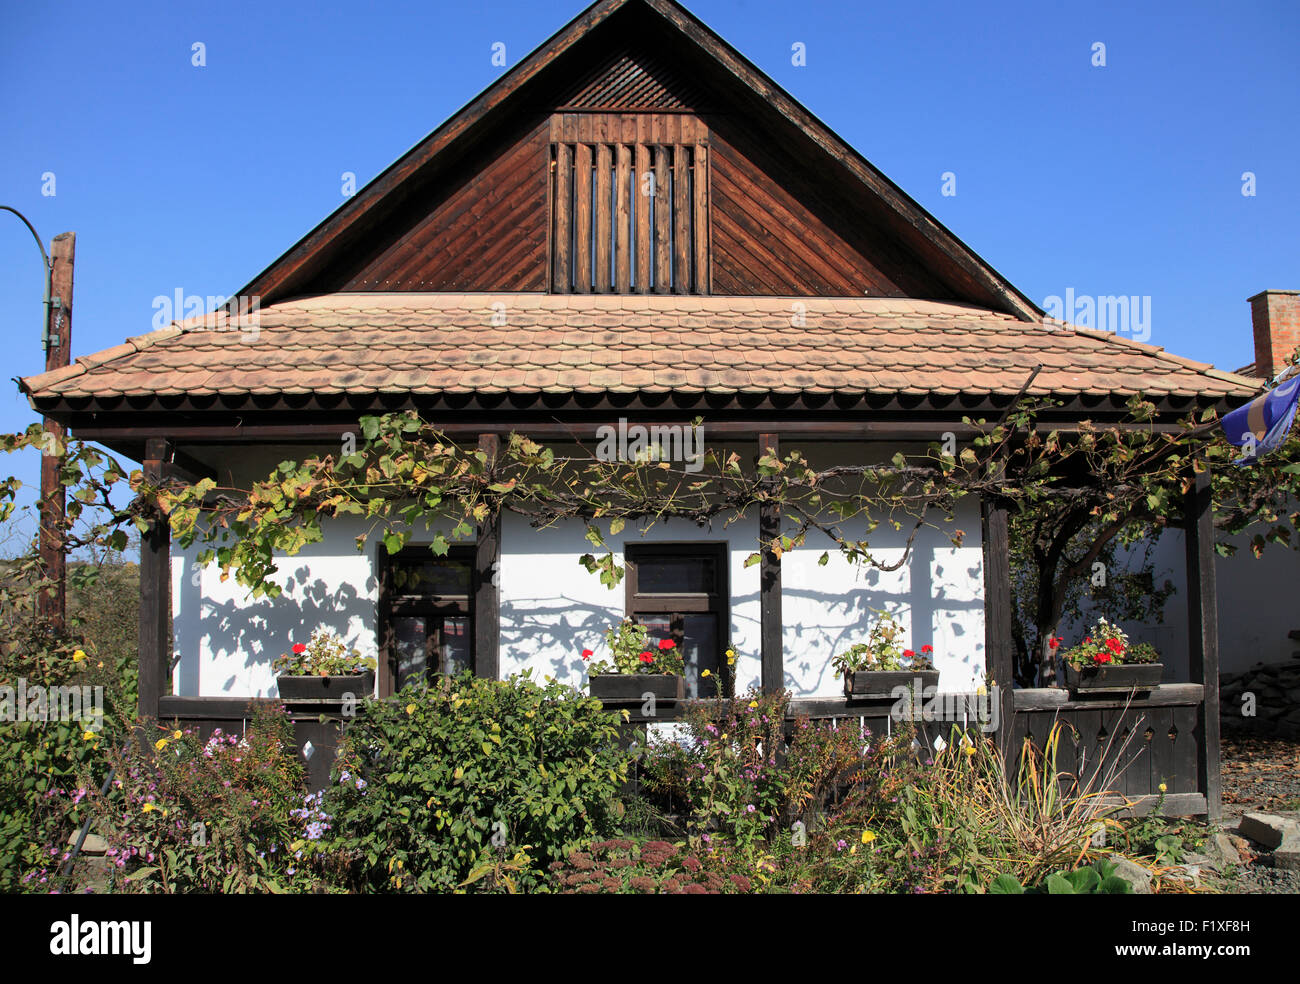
49	272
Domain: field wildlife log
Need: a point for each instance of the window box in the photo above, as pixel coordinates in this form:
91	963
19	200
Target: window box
881	683
1114	677
625	686
359	685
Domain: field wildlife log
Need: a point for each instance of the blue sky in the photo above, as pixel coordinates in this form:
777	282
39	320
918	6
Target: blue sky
1122	179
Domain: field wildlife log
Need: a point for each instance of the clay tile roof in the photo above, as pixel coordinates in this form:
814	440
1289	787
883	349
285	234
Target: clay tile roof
428	343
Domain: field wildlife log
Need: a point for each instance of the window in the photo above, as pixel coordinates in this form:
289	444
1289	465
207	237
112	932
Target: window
426	616
679	592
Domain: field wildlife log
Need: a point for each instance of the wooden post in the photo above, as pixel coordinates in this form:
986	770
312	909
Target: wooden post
770	627
487	596
51	603
1203	634
998	650
155	590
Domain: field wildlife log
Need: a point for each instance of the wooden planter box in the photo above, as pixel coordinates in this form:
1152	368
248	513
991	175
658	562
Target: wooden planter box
359	685
624	686
1114	677
881	683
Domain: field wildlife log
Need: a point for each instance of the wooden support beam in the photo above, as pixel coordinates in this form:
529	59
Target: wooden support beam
1203	633
682	212
582	219
644	205
770	627
52	603
487	595
562	236
999	653
700	224
604	217
663	206
623	195
155	591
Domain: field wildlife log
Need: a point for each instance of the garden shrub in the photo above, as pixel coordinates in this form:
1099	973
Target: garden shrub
43	763
437	785
621	866
223	815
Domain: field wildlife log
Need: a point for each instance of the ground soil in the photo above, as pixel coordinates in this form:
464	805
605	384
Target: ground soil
1260	775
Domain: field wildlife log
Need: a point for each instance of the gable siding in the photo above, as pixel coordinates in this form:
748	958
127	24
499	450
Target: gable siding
488	233
769	237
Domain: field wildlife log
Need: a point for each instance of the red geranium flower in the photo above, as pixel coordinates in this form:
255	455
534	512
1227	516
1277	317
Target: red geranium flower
1101	658
1087	638
908	654
587	654
927	649
646	658
1115	646
299	648
1054	641
666	644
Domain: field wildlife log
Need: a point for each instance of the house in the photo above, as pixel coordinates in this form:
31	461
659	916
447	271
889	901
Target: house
634	226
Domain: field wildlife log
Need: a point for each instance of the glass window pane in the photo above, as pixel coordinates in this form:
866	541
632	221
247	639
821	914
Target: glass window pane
700	652
410	637
455	653
674	575
431	576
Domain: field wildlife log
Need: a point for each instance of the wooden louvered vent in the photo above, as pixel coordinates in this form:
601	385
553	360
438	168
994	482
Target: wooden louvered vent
629	204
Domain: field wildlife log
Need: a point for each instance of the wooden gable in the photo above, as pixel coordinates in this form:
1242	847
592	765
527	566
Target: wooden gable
636	152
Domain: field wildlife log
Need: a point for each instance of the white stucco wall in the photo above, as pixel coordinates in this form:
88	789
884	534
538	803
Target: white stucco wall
552	608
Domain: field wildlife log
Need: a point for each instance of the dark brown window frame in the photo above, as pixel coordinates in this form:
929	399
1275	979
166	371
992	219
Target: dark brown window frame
393	605
716	602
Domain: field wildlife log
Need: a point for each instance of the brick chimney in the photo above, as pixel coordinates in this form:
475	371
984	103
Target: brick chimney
1275	315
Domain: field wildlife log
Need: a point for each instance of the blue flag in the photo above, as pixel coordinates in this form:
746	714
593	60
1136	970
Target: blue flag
1262	424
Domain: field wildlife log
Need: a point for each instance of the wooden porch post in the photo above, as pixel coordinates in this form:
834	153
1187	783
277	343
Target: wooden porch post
998	649
487	596
769	527
155	590
1203	634
52	603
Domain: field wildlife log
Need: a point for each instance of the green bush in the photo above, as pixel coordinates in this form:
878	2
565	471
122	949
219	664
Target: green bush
435	786
1098	879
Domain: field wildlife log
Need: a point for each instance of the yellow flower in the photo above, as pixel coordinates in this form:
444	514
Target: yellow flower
753	704
177	734
148	808
969	750
410	708
980	690
160	744
78	656
868	837
88	736
1162	787
724	737
706	673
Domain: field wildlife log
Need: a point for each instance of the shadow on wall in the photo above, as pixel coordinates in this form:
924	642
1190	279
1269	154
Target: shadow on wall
229	647
938	600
